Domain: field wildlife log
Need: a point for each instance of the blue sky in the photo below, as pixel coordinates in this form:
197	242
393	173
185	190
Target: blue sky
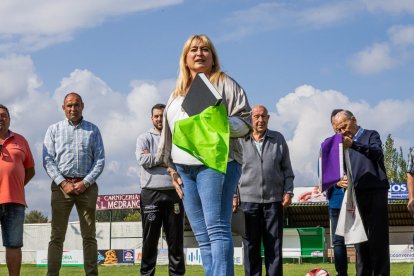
300	58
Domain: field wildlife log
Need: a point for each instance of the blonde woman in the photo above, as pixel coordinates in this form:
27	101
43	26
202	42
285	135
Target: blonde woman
207	194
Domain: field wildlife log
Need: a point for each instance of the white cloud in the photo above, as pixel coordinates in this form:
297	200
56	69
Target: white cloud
17	77
402	35
329	14
269	16
388	6
32	25
303	117
120	117
373	59
263	16
396	51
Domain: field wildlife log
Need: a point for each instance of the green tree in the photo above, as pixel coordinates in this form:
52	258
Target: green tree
35	216
394	161
390	159
402	172
134	216
117	215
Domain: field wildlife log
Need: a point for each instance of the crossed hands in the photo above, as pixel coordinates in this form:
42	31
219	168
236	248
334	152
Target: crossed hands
72	187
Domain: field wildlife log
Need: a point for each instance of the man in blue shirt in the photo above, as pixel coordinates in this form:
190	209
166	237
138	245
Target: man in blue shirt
73	157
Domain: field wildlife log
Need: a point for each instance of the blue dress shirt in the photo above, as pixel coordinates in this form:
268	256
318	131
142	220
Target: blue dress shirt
73	151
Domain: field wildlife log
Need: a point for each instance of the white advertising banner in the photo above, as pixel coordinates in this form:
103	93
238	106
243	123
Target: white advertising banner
162	257
69	258
401	253
193	256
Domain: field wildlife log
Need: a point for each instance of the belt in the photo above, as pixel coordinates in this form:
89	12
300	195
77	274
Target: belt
74	179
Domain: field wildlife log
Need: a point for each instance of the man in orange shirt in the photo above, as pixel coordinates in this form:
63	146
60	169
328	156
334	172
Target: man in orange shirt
16	169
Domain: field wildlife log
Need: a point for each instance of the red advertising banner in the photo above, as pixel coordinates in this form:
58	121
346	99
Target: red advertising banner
118	202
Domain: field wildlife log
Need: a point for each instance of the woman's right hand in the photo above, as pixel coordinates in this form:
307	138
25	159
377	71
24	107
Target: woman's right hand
177	182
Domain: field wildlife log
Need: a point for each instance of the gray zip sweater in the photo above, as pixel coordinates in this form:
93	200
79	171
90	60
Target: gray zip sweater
266	176
152	176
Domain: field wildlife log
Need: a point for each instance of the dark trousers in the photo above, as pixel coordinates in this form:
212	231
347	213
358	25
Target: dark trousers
340	254
373	256
162	208
263	221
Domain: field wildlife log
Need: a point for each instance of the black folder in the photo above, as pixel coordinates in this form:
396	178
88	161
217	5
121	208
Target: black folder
201	95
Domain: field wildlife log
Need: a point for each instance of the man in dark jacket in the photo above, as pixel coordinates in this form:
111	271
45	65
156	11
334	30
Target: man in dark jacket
265	187
371	190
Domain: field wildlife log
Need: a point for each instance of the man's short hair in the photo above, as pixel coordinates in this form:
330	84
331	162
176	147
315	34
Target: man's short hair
348	114
72	93
157	106
5	108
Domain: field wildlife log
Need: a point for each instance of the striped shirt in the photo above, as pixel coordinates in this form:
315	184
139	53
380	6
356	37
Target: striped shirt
410	164
73	151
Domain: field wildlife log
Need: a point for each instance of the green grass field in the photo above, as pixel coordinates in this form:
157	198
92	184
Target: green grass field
399	269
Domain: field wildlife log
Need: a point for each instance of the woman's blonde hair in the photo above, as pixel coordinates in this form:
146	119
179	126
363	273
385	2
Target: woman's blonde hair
184	76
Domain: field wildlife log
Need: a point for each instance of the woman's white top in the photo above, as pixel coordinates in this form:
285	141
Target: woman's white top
174	114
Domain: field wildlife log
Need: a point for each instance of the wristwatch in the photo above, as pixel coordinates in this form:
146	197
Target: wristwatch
87	184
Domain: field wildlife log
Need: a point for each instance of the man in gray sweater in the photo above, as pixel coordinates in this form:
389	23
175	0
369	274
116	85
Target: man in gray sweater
160	204
265	187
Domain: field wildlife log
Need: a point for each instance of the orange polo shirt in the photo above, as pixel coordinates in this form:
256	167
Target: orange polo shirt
15	158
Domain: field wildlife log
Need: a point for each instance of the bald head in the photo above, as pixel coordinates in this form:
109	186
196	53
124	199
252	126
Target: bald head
73	94
345	122
259	107
260	119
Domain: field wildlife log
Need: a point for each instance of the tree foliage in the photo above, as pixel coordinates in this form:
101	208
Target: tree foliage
35	216
395	164
117	215
134	216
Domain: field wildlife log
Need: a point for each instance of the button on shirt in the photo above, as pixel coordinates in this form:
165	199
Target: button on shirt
73	151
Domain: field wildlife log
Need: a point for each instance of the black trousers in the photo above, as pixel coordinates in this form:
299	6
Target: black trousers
263	221
162	208
373	256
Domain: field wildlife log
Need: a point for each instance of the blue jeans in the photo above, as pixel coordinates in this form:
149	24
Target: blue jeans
340	254
208	201
11	220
